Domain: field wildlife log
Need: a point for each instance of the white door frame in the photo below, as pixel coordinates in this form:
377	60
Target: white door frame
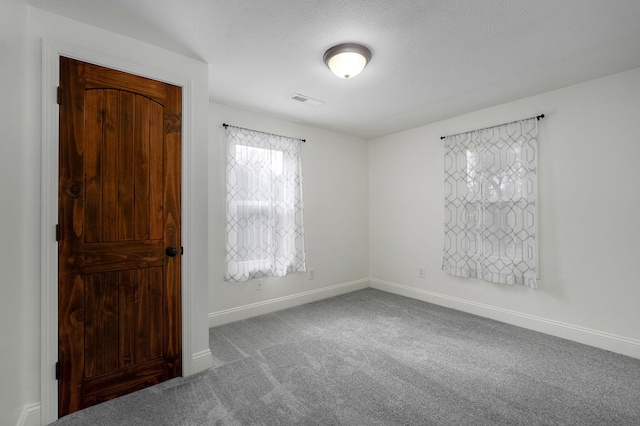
51	52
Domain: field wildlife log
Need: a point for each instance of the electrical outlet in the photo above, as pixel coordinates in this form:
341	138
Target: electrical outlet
421	272
312	273
258	285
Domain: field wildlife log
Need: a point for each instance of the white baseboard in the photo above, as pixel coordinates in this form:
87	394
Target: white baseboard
201	361
268	306
30	415
611	342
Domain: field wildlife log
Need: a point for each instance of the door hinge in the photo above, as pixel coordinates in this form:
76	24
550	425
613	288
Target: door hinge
58	232
181	250
59	96
58	370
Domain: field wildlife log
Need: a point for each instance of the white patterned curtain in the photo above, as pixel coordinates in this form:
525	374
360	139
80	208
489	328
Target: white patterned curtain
490	204
265	230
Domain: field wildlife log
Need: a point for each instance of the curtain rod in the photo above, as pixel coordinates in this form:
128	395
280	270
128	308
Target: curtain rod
225	125
537	117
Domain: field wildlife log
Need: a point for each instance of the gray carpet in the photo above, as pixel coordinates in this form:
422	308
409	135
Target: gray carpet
374	358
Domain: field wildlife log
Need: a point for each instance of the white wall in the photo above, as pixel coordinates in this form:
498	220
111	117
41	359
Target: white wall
589	234
335	216
18	261
95	45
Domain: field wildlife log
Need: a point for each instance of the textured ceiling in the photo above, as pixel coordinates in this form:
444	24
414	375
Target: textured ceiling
432	59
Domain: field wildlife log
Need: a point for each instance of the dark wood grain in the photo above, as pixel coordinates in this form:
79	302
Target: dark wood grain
97	77
156	156
141	162
126	168
172	220
92	222
119	313
70	213
125	380
101	257
109	165
127	330
156	313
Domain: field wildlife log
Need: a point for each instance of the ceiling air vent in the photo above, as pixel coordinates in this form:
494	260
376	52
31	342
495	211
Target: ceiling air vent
305	99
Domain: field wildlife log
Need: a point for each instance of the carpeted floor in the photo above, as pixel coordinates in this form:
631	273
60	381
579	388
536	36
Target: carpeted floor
374	358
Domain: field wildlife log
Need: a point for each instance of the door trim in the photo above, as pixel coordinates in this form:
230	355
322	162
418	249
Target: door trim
51	53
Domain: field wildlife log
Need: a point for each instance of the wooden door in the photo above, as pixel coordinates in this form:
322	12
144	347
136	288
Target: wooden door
119	309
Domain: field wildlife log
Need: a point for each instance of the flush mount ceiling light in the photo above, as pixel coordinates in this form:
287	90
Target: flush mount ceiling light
347	60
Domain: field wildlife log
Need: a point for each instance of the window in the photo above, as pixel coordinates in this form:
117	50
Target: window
490	204
265	230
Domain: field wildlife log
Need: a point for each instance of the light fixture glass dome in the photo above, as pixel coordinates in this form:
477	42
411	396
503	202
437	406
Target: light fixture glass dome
347	60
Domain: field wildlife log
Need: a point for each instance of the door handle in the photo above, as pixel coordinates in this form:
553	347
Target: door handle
171	251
